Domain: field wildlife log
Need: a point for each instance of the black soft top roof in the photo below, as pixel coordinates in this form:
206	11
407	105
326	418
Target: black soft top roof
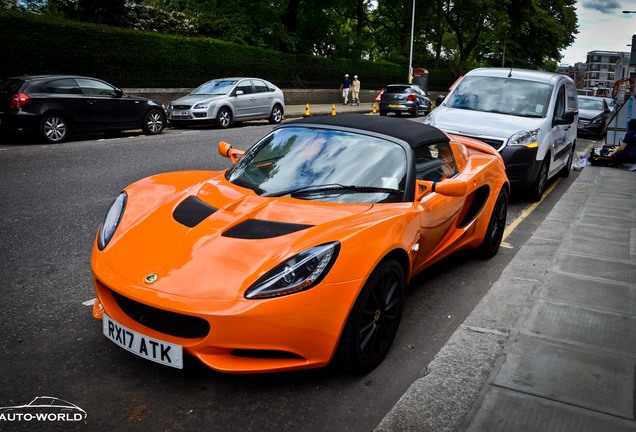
414	133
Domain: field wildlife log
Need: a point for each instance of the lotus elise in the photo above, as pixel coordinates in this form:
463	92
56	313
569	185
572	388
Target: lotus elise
301	252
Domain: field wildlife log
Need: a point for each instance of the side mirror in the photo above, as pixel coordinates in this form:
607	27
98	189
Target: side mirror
439	100
568	118
447	187
239	92
226	150
119	92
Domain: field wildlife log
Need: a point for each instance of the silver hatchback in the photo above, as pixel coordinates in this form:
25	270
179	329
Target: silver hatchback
224	101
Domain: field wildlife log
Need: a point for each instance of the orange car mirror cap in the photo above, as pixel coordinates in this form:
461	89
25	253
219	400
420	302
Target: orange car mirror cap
226	150
447	187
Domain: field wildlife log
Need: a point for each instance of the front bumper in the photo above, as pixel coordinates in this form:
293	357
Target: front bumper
522	165
297	331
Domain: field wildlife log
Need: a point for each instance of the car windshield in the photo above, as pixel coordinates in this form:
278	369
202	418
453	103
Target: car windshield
591	104
216	87
501	95
323	165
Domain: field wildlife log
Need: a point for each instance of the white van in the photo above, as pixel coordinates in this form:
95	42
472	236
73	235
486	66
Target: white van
530	117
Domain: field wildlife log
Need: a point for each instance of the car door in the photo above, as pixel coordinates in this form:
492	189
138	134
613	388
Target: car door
262	99
243	99
115	110
435	162
561	140
64	96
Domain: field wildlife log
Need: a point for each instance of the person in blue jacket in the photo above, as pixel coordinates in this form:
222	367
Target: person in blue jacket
626	153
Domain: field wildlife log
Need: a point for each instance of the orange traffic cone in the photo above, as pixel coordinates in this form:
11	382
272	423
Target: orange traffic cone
307	114
333	109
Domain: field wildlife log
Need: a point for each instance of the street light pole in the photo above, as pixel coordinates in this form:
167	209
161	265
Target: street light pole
411	53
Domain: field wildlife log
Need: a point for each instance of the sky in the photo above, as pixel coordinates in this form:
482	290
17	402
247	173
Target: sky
602	27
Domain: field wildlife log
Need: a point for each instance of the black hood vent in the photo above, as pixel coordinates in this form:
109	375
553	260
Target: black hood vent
254	229
191	211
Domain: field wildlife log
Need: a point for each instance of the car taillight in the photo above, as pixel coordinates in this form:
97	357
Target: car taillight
19	100
382	96
411	97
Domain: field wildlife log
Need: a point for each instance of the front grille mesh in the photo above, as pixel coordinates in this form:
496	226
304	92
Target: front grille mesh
170	323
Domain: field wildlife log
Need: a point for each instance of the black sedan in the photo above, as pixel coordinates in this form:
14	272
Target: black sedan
594	115
404	98
55	106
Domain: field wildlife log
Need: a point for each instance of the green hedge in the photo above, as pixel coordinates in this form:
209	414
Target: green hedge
34	44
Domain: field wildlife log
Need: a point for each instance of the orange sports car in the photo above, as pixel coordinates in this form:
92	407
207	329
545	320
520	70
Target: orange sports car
301	252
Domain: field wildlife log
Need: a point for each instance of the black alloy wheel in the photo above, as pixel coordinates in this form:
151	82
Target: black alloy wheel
496	226
374	319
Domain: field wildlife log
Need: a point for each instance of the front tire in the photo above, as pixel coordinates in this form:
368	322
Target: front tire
53	128
538	187
374	319
154	122
496	226
223	118
567	168
277	114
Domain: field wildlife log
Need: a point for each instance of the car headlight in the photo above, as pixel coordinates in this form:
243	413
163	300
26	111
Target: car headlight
525	138
597	120
429	120
298	273
201	105
111	221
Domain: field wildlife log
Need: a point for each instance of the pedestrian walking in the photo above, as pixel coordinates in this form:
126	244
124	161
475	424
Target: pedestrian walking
355	91
345	87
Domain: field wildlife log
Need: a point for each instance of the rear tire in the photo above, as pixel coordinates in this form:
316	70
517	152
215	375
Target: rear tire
496	226
53	128
277	114
382	113
374	319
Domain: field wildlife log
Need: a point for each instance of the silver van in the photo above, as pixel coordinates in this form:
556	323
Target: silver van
530	117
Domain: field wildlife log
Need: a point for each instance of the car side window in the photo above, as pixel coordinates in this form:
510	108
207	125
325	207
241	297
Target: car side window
62	86
260	86
560	103
95	88
434	162
245	86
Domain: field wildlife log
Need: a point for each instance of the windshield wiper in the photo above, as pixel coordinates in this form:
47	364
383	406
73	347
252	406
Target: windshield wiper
335	187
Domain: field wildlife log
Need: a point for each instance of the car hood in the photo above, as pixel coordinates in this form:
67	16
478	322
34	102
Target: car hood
194	99
479	123
239	237
588	114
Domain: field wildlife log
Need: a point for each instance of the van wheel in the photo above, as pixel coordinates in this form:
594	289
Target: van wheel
537	189
567	168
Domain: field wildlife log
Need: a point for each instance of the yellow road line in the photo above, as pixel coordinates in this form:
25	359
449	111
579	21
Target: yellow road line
528	210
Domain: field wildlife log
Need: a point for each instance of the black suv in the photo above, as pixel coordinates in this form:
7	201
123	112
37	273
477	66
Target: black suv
55	106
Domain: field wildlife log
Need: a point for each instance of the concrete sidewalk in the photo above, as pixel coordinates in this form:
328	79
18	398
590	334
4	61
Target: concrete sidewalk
552	345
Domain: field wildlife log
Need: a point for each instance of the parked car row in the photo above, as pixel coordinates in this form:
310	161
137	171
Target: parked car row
56	106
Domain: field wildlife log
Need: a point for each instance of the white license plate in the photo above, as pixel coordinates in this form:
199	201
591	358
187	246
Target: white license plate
149	348
180	113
